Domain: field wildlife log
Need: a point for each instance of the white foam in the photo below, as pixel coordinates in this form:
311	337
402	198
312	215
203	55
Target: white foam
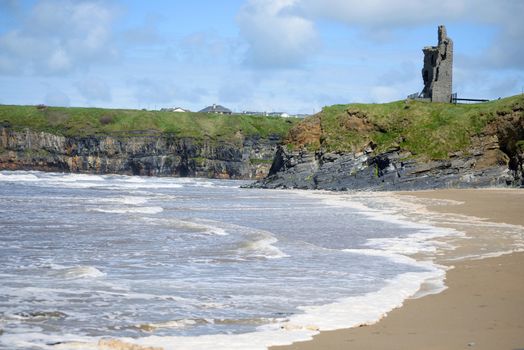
89	181
168	324
421	242
345	313
78	272
128	200
32	340
152	185
395	257
15	177
262	248
130	210
201	226
78	177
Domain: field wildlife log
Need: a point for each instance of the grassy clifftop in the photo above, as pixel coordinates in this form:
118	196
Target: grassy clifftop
428	130
92	121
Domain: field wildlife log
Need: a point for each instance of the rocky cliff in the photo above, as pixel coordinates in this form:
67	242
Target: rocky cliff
404	146
138	142
137	153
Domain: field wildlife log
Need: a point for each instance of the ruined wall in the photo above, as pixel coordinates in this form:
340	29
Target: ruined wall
438	69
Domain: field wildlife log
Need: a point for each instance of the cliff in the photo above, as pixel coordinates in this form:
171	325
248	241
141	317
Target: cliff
394	146
137	142
404	145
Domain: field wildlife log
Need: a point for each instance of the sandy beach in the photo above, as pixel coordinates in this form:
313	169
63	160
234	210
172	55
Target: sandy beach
483	306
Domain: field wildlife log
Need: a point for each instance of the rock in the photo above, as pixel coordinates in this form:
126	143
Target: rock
385	171
150	154
495	158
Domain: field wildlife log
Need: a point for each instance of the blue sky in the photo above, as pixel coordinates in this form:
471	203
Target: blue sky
266	55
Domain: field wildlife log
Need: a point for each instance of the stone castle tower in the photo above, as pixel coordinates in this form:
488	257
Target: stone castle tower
438	69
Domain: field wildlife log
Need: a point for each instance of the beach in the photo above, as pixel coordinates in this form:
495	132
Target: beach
222	267
483	306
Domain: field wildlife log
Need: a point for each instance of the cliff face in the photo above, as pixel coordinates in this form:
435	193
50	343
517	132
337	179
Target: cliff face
494	156
151	154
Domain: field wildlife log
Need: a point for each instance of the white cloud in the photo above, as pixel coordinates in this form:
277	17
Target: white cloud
382	13
59	61
282	32
378	19
57	36
276	37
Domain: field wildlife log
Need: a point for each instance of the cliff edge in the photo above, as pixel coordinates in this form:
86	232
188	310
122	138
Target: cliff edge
132	142
404	145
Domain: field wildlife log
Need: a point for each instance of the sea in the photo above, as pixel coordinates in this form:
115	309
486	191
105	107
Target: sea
187	263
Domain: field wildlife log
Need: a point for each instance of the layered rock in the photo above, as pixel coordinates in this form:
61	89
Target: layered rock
495	158
152	154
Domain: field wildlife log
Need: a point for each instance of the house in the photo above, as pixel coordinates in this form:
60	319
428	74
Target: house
268	114
278	114
218	109
176	109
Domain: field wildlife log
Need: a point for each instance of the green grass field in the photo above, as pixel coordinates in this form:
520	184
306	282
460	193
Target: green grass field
72	121
427	130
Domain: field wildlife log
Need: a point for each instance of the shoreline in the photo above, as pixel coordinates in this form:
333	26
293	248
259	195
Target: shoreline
483	306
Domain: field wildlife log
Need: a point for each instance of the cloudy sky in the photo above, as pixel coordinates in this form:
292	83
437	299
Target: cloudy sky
268	55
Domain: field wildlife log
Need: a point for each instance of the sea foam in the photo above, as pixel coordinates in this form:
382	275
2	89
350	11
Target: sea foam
77	272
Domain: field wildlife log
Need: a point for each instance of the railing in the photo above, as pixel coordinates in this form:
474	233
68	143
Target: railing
455	99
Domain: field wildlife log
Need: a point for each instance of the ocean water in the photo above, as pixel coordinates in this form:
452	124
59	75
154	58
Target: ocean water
184	263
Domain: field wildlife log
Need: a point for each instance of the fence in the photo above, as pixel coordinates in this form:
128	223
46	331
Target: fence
455	99
414	96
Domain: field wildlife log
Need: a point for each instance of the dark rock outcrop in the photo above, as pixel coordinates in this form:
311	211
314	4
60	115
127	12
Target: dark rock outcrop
137	154
494	158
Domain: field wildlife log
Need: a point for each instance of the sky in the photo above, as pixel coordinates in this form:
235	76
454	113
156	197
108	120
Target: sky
292	56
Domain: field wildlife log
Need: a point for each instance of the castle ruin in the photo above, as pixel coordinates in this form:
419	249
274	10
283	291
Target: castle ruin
438	69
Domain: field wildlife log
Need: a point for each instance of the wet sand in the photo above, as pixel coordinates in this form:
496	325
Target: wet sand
483	307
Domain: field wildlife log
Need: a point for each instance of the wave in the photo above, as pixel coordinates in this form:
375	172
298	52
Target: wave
200	226
151	327
69	180
130	210
77	272
22	177
262	247
129	200
345	313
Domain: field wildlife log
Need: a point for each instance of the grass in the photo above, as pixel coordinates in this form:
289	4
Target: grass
429	130
426	130
94	121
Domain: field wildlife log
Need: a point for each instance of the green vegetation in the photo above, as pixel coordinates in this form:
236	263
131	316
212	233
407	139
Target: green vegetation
427	130
94	121
520	146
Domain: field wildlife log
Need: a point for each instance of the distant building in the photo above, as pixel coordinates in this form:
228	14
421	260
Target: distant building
217	109
268	114
278	114
175	109
254	113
